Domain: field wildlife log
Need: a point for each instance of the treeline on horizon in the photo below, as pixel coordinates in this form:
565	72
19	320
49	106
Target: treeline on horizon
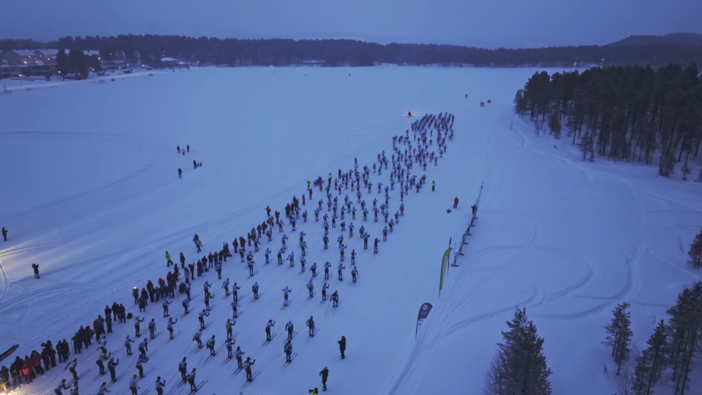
283	52
630	113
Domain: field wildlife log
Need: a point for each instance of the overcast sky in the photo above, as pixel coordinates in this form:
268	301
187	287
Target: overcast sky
486	23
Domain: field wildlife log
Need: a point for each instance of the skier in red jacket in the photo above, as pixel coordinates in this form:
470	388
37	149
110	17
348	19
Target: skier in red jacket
455	202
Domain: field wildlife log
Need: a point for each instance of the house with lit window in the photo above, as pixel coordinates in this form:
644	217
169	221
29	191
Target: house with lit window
19	56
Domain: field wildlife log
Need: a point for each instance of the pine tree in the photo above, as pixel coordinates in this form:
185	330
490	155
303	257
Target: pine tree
642	374
520	366
686	327
695	252
658	350
652	361
667	165
619	334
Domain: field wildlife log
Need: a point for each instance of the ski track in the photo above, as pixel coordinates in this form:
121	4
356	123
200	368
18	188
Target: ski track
449	313
4	283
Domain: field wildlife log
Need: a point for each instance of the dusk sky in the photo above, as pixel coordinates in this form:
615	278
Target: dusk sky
485	23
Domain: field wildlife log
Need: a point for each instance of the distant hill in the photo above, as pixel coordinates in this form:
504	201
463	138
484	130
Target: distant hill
677	39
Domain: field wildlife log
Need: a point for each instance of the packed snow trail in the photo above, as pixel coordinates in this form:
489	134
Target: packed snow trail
99	217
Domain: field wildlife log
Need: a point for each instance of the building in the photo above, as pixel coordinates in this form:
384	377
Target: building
8	71
46	55
19	56
314	62
26	62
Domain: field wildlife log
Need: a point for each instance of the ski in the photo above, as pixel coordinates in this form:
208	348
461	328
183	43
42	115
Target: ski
80	376
146	391
116	379
147	372
156	334
98	376
207	325
253	299
309	336
268	341
195	350
286	304
292	356
254	273
253	376
198	387
311	296
238	314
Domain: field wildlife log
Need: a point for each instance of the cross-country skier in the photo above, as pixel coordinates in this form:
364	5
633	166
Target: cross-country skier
140	368
353	257
191	380
152	329
225	285
354	274
159	385
247	367
313	269
286	291
335	298
228	327
229	343
128	345
197	337
234	308
325	286
310	288
201	318
183	369
101	391
375	245
288	351
326	270
289	328
71	367
62	385
170	327
340	272
254	288
267	255
165	304
137	321
111	365
310	326
186	305
269	325
210	345
238	355
143	348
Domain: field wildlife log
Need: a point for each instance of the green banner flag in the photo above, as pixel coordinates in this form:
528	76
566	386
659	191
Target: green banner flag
444	265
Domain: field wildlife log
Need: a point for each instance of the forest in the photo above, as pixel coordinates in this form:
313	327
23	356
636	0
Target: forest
623	113
285	52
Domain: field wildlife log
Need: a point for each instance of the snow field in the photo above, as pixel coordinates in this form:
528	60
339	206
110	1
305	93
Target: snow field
564	238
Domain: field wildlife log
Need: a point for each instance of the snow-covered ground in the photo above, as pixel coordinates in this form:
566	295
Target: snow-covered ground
90	192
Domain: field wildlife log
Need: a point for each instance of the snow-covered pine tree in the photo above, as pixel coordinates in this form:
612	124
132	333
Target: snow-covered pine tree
686	325
695	252
666	167
650	364
619	334
520	366
642	374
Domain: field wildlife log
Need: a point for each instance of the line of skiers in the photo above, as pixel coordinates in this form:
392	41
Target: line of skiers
402	164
